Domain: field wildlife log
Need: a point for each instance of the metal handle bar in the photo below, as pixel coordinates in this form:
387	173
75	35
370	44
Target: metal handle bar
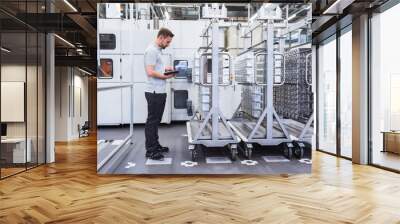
283	71
307	56
201	75
255	66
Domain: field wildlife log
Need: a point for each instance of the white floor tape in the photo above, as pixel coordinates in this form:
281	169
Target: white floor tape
275	159
218	160
166	161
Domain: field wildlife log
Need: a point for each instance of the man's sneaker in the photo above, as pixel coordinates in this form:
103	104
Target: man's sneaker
163	149
156	155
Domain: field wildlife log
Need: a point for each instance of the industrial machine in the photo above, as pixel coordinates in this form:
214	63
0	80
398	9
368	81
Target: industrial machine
123	37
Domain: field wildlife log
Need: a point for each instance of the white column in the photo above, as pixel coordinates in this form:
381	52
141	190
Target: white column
360	90
50	99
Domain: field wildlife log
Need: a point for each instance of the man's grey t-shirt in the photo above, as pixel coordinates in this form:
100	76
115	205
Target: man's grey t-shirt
152	56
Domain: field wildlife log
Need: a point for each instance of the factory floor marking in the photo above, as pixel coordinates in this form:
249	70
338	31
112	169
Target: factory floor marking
218	160
306	161
249	162
189	164
275	159
166	161
117	142
130	164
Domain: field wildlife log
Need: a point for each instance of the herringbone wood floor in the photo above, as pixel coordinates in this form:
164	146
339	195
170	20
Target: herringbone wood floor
70	191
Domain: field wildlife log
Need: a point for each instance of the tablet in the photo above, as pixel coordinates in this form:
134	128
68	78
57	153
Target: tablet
170	72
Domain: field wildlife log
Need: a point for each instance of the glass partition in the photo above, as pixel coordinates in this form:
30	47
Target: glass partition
327	96
14	144
346	93
385	89
22	88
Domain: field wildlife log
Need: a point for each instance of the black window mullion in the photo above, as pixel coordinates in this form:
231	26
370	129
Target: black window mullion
37	90
1	163
26	87
338	93
317	97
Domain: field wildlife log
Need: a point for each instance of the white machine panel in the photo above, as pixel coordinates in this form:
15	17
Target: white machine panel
143	40
126	68
109	105
127	37
139	74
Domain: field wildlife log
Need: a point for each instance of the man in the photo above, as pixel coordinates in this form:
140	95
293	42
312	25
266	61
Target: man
155	92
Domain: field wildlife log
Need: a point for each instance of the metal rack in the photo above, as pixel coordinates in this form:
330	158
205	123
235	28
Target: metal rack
211	129
294	99
259	72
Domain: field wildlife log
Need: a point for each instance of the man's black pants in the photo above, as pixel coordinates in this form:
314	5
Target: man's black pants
155	110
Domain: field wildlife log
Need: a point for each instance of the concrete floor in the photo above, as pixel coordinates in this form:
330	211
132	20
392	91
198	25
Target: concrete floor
131	160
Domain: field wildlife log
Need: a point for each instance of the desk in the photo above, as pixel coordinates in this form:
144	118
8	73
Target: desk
13	150
391	141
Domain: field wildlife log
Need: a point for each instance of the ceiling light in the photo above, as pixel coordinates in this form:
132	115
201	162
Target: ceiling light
5	50
65	41
70	5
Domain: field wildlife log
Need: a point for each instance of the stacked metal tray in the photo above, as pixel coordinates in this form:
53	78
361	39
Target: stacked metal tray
294	99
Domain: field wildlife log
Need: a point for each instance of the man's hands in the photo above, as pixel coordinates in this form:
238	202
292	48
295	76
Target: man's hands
169	76
153	73
169	68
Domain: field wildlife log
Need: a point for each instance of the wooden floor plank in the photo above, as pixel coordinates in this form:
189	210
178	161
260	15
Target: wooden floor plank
70	191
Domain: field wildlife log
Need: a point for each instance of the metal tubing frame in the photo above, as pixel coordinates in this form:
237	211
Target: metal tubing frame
308	124
283	69
214	114
269	112
308	82
201	75
269	93
215	71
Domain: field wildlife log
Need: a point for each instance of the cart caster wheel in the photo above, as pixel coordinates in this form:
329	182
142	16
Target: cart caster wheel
299	152
248	151
234	152
194	152
287	150
194	156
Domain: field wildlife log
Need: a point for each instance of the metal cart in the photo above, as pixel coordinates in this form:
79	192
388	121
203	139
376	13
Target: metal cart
212	129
